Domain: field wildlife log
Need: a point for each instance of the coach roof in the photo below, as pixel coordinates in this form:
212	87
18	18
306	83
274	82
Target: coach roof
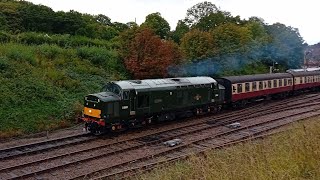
257	77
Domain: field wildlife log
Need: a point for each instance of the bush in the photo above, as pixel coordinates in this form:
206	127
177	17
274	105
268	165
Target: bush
21	54
49	51
4	64
4	37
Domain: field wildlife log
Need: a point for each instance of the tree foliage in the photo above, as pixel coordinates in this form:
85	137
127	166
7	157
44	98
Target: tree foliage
198	11
181	29
231	38
158	24
197	44
149	56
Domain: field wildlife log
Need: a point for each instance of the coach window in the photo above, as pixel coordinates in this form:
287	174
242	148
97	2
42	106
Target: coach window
260	85
247	87
275	83
290	82
239	88
234	89
305	79
265	84
280	82
285	82
269	84
254	86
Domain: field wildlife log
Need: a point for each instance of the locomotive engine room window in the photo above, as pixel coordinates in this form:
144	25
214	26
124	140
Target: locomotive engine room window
254	86
247	87
275	83
239	88
280	82
143	101
269	84
260	85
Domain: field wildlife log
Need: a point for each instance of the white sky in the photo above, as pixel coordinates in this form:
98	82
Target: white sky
296	13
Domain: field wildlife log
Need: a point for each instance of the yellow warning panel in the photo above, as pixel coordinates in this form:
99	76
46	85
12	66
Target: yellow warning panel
92	112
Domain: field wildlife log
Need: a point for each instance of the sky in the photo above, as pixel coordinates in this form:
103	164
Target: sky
295	13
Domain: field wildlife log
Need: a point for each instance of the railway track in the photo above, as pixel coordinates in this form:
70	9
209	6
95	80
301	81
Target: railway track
38	147
63	163
196	146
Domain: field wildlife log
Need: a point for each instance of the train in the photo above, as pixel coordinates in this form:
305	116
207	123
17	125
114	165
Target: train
134	103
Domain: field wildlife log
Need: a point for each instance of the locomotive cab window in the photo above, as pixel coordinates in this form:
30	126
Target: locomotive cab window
125	95
239	88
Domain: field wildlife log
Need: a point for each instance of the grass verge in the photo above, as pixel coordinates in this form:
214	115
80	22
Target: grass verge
294	154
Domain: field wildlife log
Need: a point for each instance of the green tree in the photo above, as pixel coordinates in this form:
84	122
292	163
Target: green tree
120	27
215	19
180	31
286	45
103	20
232	38
198	11
197	45
37	18
158	24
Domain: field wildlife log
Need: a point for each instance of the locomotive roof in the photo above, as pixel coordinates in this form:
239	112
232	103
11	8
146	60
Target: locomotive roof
256	77
168	83
304	73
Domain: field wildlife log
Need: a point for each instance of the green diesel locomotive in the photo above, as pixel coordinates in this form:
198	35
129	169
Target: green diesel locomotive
130	103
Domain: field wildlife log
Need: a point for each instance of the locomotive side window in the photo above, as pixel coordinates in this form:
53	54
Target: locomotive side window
275	83
239	88
260	85
247	87
143	101
254	86
280	82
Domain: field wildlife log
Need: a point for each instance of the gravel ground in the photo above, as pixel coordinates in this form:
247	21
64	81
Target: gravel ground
78	129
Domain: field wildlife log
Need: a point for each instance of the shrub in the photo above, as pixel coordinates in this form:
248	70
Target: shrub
49	51
4	64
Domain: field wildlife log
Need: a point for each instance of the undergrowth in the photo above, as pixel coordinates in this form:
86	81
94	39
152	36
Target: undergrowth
42	86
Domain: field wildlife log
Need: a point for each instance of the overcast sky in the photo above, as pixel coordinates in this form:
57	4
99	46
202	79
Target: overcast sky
296	13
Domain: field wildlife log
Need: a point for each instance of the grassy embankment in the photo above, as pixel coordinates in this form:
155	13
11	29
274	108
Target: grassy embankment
42	85
293	154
